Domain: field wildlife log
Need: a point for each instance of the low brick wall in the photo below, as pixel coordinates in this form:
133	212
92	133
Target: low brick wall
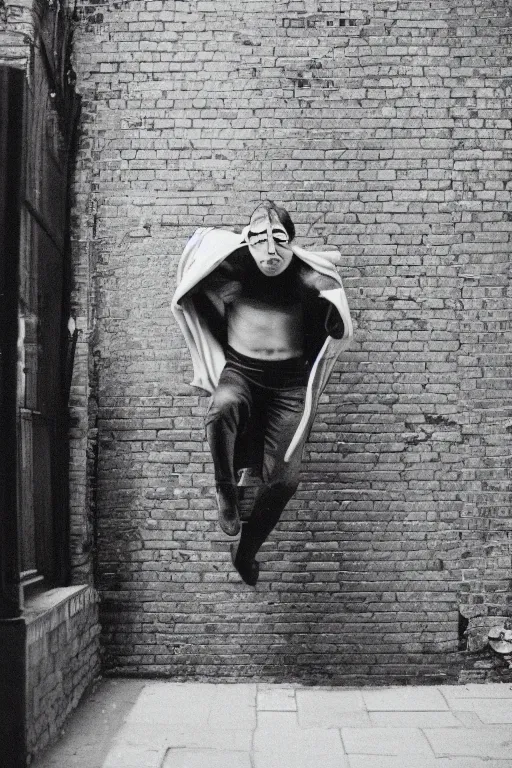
62	657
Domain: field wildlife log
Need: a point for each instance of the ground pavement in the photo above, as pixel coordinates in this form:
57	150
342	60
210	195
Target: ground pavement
148	724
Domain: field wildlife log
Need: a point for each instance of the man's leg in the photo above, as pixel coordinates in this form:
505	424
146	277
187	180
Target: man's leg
228	414
284	411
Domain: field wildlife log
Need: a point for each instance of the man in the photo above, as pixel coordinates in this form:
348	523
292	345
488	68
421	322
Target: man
265	321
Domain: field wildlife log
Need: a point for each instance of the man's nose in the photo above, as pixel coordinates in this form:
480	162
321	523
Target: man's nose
270	240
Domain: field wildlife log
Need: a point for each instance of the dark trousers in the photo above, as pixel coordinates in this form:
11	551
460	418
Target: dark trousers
264	398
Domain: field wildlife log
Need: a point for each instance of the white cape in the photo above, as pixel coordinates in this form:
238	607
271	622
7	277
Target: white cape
205	250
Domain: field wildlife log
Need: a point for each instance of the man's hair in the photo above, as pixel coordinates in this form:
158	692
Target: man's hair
283	216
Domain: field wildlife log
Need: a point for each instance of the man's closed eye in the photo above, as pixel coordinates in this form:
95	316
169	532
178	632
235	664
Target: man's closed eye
261	237
257	237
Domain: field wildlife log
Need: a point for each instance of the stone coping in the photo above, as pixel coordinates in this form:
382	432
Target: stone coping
45	611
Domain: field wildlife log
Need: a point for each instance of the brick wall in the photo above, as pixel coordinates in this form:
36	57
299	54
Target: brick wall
384	127
62	659
17	31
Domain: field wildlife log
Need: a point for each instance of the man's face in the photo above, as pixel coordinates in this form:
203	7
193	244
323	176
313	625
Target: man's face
268	242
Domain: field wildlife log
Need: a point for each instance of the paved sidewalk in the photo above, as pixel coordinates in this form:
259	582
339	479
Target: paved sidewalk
146	724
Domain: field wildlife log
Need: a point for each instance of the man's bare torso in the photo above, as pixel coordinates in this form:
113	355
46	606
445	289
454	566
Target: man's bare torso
265	332
265	315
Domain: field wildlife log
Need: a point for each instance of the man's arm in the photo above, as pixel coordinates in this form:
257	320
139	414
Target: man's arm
224	281
221	283
317	282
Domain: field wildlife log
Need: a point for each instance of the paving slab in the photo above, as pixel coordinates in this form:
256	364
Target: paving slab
490	690
205	758
405	761
342	720
414	720
279	698
146	735
404	699
232	740
315	742
386	741
331	709
455	690
462	704
233	706
467	719
493	711
149	735
275	723
477	691
278	737
299	760
491	741
168	703
124	756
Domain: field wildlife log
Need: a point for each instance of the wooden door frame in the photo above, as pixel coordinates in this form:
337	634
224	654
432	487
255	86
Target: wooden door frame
11	143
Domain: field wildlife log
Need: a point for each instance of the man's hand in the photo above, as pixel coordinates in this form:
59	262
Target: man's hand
334	325
229	291
315	280
333	256
221	284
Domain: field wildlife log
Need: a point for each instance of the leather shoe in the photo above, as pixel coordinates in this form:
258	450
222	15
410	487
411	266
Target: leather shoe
249	570
227	499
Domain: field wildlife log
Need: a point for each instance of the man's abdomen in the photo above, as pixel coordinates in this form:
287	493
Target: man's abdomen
266	332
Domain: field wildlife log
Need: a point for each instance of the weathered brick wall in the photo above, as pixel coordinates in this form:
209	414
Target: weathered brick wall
17	31
385	128
83	404
62	659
